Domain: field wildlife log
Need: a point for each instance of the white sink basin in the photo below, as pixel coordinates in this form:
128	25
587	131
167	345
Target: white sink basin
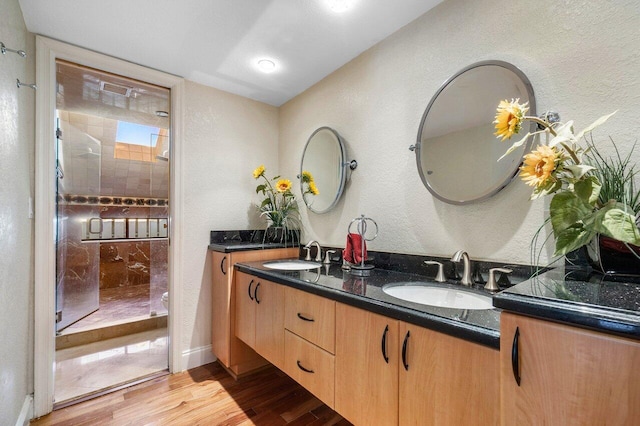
439	296
291	265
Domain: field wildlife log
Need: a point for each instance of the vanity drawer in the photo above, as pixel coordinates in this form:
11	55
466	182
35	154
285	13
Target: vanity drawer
310	366
311	317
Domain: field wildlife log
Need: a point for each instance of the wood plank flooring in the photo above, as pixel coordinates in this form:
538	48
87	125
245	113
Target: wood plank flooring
206	395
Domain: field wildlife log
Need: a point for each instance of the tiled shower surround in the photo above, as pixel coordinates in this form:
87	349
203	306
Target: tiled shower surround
110	264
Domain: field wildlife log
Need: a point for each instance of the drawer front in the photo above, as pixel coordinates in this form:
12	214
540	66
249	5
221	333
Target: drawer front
311	317
310	366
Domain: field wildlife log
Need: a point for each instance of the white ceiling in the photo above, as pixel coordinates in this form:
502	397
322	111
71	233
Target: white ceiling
217	42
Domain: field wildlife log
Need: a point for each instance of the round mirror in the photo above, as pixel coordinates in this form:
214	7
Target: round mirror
456	152
324	158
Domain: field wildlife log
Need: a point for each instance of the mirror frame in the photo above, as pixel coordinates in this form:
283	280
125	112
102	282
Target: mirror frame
527	146
343	166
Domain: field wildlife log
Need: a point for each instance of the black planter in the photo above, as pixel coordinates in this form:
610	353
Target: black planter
613	257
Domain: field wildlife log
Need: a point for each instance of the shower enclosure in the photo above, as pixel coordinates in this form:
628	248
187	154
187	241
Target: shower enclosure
112	197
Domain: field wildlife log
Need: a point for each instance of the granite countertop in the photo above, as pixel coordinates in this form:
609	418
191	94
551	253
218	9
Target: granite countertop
240	240
330	281
576	298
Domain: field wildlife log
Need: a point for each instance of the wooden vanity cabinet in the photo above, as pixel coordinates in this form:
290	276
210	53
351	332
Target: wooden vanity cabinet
366	367
309	345
232	353
558	374
445	380
260	316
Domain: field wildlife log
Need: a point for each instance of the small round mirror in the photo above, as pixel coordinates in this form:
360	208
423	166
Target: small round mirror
324	158
456	152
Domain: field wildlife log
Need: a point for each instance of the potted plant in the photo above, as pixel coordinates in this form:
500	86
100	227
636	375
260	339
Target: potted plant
280	206
579	211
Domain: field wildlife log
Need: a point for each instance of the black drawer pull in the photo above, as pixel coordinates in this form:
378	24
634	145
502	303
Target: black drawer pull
306	370
222	266
303	318
404	351
249	290
255	293
384	344
515	358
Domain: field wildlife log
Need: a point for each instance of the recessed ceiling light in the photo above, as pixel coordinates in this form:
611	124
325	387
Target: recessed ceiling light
339	6
266	65
162	113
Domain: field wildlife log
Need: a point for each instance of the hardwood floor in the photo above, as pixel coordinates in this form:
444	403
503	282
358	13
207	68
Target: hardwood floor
205	395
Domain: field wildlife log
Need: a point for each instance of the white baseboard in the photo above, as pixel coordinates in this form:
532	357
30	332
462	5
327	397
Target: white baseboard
26	413
195	357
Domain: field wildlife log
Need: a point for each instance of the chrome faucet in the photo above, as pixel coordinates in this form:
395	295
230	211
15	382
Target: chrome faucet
466	274
318	252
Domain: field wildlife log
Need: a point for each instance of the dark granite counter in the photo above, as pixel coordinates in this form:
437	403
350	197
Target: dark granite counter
576	298
330	281
242	240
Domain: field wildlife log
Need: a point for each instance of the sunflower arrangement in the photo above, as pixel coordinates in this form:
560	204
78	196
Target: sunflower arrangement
577	211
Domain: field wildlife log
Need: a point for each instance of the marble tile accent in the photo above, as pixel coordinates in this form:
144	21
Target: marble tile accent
89	368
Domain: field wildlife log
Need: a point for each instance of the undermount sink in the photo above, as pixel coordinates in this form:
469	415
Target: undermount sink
291	265
443	297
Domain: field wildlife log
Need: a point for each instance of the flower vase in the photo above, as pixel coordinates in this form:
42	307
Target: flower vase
274	234
612	257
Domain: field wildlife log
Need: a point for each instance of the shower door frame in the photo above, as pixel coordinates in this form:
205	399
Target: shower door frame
47	51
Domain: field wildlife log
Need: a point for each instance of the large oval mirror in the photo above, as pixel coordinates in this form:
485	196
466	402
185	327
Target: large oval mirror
324	158
457	152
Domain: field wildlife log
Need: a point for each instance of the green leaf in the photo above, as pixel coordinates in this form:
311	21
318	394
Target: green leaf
564	133
260	188
566	210
617	223
517	144
588	189
593	125
549	188
578	170
572	238
265	202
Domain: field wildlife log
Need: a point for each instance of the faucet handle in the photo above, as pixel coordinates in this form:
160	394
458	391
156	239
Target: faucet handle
308	256
440	275
327	258
491	282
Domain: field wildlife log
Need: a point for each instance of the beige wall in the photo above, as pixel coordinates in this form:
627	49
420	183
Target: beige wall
581	58
17	109
226	137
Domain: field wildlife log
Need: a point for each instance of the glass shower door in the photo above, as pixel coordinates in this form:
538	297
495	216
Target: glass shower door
78	189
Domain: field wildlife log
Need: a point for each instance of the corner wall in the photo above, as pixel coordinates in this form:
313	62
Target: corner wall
17	112
581	58
225	138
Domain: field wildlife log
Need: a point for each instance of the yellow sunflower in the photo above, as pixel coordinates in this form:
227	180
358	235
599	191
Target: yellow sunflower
307	177
313	188
283	185
539	166
258	172
509	116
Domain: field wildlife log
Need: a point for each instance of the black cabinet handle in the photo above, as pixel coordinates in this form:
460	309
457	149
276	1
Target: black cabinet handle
255	293
306	370
384	344
404	351
515	358
303	318
222	266
249	291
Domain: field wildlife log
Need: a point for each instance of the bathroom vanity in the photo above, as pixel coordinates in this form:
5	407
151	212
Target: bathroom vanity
556	347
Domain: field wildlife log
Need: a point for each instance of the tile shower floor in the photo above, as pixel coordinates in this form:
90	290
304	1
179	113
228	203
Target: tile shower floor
89	368
116	304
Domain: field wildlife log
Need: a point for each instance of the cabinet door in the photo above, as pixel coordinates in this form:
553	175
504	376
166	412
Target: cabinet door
269	321
246	308
567	375
221	309
445	380
366	387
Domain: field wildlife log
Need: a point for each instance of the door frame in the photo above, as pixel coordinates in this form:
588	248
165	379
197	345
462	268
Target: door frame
47	51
